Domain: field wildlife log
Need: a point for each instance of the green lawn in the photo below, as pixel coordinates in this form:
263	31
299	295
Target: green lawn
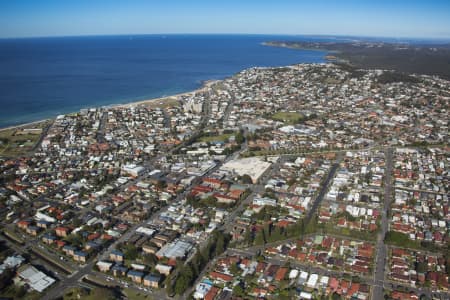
15	142
216	138
135	295
13	235
288	117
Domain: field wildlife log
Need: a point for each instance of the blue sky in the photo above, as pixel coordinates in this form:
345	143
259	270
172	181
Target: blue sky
393	18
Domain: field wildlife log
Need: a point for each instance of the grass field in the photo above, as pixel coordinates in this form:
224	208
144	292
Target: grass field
17	141
288	117
216	138
135	295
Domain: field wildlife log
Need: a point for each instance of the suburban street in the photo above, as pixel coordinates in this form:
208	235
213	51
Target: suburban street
382	250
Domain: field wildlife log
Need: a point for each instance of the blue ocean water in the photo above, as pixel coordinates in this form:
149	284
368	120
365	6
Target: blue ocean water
44	77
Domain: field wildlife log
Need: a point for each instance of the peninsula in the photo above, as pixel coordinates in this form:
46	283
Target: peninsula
419	58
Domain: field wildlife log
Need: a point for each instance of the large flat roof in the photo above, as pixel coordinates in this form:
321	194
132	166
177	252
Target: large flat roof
176	249
252	166
36	279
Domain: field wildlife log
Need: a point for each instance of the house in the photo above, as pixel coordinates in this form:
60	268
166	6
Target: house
116	256
220	276
135	276
23	224
60	244
397	295
69	250
92	245
104	266
62	231
212	293
221	198
80	256
49	238
152	280
202	289
33	230
212	182
119	270
149	249
43	224
163	269
281	274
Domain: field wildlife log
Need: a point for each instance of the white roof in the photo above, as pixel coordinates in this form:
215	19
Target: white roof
252	166
104	264
36	279
175	249
293	274
146	231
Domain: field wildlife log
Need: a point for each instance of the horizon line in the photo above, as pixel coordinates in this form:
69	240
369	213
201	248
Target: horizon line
443	39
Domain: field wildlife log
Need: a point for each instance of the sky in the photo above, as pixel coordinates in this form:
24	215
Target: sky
379	18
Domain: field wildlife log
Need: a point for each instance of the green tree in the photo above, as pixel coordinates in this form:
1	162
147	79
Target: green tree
161	184
150	259
184	279
239	138
260	237
238	291
246	179
131	252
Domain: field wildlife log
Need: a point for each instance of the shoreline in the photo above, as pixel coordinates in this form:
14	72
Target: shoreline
206	84
26	124
155	101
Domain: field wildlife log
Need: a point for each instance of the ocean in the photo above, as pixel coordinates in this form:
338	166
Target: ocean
44	77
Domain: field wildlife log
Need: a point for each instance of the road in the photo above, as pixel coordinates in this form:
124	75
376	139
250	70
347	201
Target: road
43	135
323	190
70	281
381	248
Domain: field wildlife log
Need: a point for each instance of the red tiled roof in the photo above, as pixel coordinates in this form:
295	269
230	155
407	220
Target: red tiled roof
281	274
221	276
212	293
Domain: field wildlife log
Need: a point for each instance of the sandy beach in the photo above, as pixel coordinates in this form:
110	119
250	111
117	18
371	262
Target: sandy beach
25	125
155	102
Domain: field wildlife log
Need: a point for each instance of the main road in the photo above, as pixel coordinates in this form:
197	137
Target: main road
381	248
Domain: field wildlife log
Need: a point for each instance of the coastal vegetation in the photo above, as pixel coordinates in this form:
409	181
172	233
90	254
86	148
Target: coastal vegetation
404	58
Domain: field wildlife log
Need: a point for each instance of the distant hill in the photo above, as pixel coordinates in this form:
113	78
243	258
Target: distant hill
408	58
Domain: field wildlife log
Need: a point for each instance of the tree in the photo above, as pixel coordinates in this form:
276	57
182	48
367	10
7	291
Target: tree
184	280
6	278
131	252
220	245
238	290
246	179
150	259
239	138
260	237
161	184
77	222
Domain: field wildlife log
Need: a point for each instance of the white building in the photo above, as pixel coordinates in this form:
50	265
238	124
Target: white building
133	170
